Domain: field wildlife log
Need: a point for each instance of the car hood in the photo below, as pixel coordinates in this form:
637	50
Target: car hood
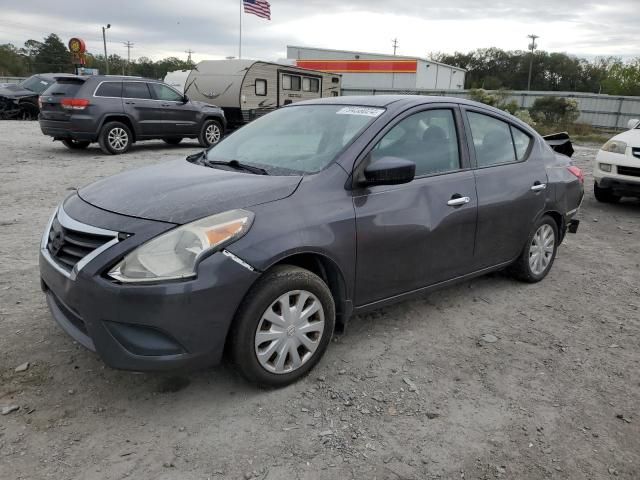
13	90
181	192
631	137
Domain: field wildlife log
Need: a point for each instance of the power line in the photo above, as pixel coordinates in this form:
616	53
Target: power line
189	52
129	46
394	42
532	47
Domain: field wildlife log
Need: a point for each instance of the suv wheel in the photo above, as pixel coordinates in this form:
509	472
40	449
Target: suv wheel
605	195
538	255
75	144
115	138
172	140
210	133
282	327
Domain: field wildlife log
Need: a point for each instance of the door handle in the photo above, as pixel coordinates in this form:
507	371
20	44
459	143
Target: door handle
130	103
538	186
166	104
458	201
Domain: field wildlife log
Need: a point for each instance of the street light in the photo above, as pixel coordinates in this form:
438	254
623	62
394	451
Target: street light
104	41
532	47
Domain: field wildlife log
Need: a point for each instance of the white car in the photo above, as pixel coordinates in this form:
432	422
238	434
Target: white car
616	169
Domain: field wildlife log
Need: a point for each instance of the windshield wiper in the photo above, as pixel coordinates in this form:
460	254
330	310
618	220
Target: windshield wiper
236	165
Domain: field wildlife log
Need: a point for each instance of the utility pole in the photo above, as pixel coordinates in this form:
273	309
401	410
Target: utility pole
104	41
532	47
394	42
129	46
189	52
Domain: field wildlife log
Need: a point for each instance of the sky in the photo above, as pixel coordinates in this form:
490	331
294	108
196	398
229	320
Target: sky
210	28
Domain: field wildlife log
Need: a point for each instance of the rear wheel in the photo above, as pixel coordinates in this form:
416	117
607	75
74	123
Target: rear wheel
605	195
283	326
210	133
172	140
538	255
75	144
115	138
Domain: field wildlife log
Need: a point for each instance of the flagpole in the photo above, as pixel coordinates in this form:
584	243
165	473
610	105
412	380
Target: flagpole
240	43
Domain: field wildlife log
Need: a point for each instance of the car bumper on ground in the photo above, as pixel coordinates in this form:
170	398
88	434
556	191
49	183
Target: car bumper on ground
147	327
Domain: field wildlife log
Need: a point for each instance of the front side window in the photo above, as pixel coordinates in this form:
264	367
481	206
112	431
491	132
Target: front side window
109	89
261	87
492	140
429	139
163	92
296	140
135	90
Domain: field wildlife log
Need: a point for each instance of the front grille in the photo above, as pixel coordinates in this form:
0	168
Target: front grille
630	171
67	247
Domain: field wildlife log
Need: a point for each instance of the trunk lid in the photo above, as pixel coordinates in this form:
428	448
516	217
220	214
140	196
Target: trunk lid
51	100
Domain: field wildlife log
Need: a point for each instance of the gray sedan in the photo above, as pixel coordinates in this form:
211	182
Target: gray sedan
265	244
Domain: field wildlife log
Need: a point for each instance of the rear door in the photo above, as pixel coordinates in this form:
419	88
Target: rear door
511	180
51	98
180	118
148	114
421	233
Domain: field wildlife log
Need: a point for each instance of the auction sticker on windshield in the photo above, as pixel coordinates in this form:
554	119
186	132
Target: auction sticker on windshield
366	111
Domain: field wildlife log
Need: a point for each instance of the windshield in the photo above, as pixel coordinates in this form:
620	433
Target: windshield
295	140
36	84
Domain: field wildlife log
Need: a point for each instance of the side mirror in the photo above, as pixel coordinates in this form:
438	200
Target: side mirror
389	171
633	123
185	99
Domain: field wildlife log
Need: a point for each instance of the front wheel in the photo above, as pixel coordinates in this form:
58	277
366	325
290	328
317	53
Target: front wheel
75	144
283	326
604	195
538	255
210	133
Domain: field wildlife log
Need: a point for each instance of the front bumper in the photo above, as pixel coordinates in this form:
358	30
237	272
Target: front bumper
145	327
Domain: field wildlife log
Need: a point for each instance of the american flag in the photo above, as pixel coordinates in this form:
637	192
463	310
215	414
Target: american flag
261	8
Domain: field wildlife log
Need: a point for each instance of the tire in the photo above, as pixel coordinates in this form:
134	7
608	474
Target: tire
526	268
172	140
264	302
605	195
115	138
75	144
210	133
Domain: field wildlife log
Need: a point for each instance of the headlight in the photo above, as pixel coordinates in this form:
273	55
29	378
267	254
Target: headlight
605	167
175	254
615	146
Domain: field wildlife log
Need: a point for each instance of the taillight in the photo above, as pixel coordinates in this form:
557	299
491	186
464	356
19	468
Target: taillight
577	172
74	103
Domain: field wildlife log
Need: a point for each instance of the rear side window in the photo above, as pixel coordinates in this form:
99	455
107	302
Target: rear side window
64	88
521	141
109	89
135	90
492	140
162	92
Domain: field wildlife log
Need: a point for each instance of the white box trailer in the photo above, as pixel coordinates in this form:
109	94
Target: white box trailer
247	89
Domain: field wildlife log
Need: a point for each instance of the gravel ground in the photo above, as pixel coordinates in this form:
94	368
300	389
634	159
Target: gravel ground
488	379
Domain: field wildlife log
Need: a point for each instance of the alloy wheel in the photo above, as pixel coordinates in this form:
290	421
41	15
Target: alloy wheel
541	249
118	138
289	332
213	134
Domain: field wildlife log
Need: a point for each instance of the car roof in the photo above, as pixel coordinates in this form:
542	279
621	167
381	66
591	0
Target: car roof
101	78
386	100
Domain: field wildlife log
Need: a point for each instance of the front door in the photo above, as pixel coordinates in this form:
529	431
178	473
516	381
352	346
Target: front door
181	118
511	179
147	112
420	233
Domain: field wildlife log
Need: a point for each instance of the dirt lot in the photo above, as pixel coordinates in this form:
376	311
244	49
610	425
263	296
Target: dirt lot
418	390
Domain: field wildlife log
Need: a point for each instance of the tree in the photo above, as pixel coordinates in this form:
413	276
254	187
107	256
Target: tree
52	56
556	111
622	79
12	63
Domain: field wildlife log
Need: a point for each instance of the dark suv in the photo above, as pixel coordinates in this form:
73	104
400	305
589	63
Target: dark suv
118	111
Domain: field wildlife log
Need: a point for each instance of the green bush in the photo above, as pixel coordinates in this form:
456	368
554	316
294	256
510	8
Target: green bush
555	111
496	99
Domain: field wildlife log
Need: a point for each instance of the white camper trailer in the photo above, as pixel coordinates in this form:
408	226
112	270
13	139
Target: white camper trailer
246	89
